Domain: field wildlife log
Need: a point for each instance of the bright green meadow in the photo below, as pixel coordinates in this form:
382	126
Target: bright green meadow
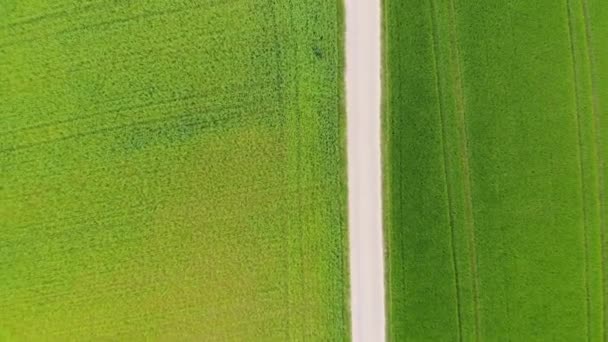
496	144
172	170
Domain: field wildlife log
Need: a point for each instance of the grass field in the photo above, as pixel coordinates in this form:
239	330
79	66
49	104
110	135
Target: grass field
172	170
496	141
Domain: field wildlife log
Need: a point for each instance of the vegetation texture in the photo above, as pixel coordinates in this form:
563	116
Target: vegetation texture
172	170
496	141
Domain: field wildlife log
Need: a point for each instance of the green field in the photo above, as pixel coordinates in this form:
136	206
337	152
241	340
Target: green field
496	144
172	170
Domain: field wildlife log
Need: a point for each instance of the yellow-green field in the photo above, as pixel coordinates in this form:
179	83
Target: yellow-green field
496	144
172	170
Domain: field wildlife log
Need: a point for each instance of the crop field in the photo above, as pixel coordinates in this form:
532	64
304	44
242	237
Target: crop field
172	170
496	144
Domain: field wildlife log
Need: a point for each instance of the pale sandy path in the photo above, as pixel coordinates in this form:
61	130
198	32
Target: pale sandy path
364	170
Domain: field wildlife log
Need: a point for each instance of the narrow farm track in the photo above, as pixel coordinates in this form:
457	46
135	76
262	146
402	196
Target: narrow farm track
582	168
495	166
363	101
589	161
448	192
600	142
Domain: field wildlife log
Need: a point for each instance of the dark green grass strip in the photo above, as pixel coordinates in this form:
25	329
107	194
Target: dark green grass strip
495	168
